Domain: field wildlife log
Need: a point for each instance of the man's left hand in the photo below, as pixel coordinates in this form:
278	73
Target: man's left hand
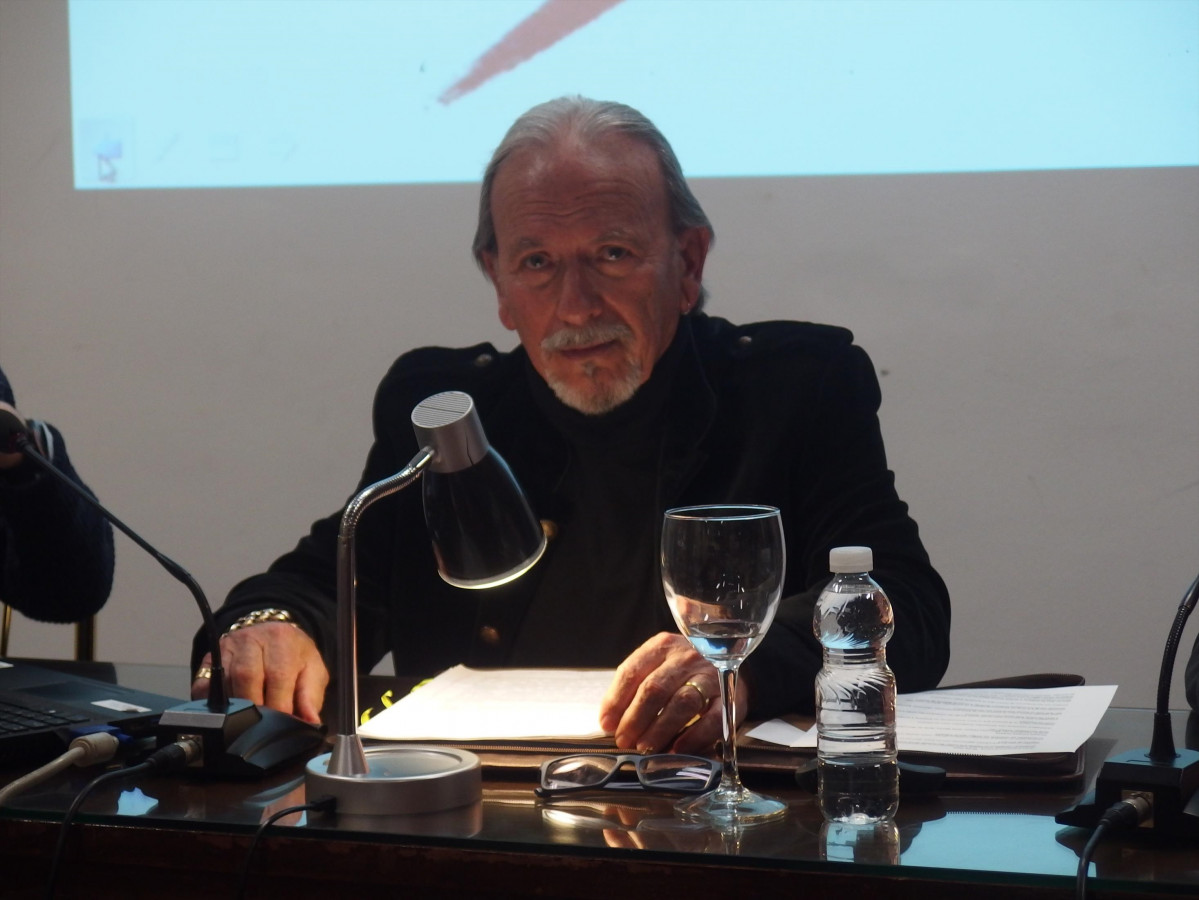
665	696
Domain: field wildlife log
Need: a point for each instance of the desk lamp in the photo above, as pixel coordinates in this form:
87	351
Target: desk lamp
484	534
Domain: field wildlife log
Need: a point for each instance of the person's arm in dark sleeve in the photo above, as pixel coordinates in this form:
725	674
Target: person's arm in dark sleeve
849	500
57	549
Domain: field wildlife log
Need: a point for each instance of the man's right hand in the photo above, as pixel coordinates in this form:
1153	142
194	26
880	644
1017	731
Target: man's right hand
272	663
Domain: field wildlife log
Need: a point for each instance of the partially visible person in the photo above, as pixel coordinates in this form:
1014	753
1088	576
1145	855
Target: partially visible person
56	551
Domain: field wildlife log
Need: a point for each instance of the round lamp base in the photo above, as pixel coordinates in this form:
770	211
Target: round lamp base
405	779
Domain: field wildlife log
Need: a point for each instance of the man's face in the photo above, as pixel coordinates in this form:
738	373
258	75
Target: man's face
587	269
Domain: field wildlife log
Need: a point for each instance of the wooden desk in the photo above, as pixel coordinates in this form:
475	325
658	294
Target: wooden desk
180	838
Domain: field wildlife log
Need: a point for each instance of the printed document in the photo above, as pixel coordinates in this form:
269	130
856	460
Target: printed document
981	721
463	704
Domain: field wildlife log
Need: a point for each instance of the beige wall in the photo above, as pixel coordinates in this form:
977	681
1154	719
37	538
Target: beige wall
212	355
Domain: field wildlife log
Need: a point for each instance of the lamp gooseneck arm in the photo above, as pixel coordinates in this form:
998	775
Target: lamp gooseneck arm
348	757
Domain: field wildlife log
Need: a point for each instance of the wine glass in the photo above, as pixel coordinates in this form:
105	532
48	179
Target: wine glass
722	568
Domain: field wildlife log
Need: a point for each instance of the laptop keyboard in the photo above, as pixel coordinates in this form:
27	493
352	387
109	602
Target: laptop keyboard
18	718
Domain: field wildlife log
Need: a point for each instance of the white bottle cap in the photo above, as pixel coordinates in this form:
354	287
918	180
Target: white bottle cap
850	559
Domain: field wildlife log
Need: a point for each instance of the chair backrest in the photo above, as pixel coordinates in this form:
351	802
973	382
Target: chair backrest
85	635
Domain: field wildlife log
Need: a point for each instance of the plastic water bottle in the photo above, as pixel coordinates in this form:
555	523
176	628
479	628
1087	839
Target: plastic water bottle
874	843
855	694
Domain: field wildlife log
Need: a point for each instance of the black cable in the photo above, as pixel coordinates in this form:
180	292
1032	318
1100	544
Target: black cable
320	804
172	756
1127	813
1084	860
216	684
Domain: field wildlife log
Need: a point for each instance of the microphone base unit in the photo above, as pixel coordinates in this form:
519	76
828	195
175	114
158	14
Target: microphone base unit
1174	786
243	740
240	740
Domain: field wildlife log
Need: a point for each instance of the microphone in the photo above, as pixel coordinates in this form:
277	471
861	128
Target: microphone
1168	776
238	738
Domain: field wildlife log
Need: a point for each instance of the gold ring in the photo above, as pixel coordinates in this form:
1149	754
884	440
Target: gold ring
202	672
704	698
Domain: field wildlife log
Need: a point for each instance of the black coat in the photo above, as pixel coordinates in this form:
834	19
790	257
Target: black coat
777	413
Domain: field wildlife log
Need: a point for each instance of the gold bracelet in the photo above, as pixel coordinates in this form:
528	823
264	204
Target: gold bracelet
258	616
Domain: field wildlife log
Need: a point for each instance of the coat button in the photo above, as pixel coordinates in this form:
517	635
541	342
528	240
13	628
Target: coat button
489	635
483	359
744	341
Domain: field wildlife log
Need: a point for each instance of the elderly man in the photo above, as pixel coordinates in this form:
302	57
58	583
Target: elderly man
621	401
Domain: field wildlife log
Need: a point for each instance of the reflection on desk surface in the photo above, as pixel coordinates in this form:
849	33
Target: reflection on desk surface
973	835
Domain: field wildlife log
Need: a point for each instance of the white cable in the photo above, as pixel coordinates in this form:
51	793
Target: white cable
86	750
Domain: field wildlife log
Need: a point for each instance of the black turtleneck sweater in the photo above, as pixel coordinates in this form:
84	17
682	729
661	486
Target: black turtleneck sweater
608	533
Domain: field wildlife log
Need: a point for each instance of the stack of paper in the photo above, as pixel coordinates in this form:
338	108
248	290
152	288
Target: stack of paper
464	704
981	721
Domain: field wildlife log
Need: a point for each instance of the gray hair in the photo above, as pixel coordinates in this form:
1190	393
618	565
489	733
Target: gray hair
590	120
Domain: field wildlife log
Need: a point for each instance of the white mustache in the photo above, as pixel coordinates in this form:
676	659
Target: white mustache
587	336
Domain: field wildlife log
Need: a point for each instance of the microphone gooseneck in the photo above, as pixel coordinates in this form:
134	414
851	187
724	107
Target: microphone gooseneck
1165	779
14	437
1162	749
235	737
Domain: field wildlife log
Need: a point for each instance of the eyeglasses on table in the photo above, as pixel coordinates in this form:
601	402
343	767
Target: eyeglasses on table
671	772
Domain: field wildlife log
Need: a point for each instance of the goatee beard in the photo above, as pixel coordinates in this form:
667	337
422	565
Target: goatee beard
601	397
596	398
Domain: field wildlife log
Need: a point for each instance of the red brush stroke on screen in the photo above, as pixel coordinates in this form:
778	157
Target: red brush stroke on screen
544	27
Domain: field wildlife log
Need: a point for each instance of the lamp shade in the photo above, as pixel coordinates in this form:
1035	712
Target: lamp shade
481	526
